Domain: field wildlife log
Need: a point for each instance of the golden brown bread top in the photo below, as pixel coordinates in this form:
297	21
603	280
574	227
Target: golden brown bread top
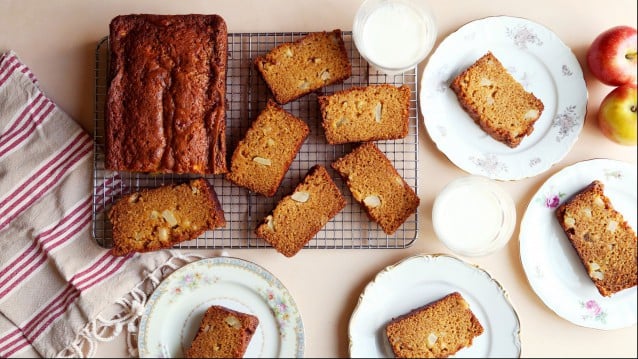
496	101
603	239
165	109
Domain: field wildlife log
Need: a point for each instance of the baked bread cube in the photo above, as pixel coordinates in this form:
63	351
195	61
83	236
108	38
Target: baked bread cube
161	217
604	241
496	101
262	158
360	114
377	186
165	110
436	330
300	215
294	69
223	333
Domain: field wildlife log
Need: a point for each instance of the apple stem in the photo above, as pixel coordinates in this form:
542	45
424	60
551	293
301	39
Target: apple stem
631	55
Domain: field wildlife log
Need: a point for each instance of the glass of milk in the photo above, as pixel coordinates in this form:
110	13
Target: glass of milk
473	216
394	35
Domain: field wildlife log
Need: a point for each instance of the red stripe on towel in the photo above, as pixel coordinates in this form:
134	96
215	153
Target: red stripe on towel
45	179
86	279
11	64
11	60
92	276
27	121
11	127
61	233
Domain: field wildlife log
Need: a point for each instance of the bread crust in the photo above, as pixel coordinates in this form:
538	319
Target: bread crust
602	238
262	158
223	333
366	113
300	215
157	218
166	103
496	101
436	330
377	186
294	69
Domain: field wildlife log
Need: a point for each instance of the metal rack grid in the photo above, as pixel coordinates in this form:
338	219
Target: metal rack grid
246	96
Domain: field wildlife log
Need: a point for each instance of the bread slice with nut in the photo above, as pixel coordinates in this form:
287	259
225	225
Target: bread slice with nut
359	114
496	101
300	215
223	333
262	158
377	186
603	239
294	69
436	330
161	217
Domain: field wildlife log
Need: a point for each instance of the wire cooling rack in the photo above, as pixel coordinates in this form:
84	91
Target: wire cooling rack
246	96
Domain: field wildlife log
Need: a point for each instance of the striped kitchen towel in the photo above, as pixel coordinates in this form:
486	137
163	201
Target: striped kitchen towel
55	281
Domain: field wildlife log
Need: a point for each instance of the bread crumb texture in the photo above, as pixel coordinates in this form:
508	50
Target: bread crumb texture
262	158
360	114
496	101
223	333
377	186
436	330
294	69
604	241
161	217
301	214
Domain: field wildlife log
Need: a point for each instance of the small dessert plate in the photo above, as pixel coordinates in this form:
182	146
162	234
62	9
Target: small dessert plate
536	58
421	279
551	264
175	309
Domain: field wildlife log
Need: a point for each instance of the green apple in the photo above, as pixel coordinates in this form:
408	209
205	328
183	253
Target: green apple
617	115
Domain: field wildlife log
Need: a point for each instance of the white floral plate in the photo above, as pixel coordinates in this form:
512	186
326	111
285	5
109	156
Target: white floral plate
174	310
421	279
541	62
552	266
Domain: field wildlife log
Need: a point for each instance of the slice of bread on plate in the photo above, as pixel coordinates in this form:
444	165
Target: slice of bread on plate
496	101
436	330
602	238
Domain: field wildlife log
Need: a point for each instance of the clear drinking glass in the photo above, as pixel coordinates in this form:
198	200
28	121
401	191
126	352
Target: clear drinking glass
394	35
473	216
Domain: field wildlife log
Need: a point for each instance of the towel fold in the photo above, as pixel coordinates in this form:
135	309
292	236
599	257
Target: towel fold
54	279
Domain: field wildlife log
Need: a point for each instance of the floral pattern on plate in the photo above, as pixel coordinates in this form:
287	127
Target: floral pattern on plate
593	311
231	282
523	37
281	307
187	282
542	63
420	279
552	266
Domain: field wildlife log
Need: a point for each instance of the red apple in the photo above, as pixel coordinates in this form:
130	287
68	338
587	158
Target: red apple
611	58
617	115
